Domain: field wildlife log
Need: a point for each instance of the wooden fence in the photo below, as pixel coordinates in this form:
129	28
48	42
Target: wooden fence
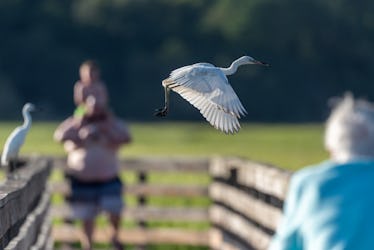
244	201
247	200
24	203
143	212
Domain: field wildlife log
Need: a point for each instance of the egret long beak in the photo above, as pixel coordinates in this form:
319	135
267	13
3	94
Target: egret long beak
262	63
38	109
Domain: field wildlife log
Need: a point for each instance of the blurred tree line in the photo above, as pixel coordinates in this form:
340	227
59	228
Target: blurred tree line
317	49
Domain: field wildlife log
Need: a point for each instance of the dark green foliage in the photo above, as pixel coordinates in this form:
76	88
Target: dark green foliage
317	49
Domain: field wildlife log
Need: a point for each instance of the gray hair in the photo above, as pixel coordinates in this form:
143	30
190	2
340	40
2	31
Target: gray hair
350	129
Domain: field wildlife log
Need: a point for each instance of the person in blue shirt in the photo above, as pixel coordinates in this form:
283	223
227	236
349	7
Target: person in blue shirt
330	206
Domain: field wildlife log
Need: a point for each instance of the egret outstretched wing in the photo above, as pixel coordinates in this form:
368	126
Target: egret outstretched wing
207	88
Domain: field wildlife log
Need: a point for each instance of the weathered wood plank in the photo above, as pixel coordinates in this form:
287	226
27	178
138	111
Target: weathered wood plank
147	189
29	231
265	178
159	164
231	243
19	194
218	168
146	213
44	241
71	234
262	177
215	238
240	227
220	240
167	190
255	209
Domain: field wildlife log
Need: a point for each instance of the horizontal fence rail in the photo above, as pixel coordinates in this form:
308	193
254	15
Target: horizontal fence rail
247	201
24	203
143	212
146	213
147	189
156	164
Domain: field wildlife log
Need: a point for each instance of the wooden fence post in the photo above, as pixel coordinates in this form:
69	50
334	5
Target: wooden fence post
247	199
142	202
142	199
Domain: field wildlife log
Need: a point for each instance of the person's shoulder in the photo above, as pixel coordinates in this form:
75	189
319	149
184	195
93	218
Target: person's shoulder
331	167
315	169
100	84
313	173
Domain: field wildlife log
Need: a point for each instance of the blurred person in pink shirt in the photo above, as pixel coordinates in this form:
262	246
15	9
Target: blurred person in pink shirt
92	167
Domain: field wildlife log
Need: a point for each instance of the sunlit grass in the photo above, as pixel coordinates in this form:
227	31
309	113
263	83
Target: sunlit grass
286	145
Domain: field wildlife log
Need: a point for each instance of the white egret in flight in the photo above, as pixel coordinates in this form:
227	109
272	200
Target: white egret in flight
206	87
16	139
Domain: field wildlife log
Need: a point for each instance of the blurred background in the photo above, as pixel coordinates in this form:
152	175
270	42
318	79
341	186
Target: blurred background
317	49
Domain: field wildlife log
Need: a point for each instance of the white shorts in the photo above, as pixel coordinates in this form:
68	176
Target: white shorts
89	210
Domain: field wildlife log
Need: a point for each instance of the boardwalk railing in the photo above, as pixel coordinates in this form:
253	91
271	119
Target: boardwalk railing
242	206
144	212
247	200
24	203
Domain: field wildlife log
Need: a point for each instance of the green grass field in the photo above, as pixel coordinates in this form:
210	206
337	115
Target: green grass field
289	146
285	145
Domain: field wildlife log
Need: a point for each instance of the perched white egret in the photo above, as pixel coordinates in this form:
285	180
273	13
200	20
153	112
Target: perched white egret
206	87
16	139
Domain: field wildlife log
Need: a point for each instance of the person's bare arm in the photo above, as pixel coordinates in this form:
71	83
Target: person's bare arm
67	130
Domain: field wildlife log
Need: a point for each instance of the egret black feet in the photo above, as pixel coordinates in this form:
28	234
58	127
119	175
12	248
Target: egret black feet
162	112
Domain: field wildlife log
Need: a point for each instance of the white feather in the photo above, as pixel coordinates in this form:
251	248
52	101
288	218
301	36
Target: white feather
207	89
17	138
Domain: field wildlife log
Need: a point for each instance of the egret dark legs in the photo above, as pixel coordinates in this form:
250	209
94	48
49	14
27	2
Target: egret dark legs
12	166
10	169
161	112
